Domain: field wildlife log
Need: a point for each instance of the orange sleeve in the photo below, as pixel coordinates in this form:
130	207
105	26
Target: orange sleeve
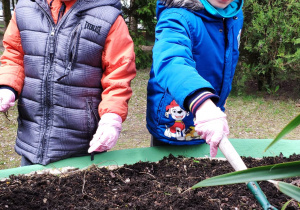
118	60
12	68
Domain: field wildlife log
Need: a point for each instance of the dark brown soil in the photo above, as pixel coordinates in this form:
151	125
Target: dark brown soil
144	185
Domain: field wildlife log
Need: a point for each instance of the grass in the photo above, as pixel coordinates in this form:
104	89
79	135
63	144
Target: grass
260	118
8	127
249	117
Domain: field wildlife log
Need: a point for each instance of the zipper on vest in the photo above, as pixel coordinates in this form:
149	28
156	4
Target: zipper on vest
48	75
44	128
47	102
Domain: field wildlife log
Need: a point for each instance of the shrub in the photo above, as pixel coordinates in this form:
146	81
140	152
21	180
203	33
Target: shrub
143	58
270	45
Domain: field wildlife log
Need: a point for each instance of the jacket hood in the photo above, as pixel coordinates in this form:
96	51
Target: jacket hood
189	4
197	5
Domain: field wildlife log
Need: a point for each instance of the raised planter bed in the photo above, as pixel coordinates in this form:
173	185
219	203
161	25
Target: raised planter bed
144	183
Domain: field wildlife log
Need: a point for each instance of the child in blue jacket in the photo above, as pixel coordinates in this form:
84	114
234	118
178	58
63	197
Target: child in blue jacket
194	60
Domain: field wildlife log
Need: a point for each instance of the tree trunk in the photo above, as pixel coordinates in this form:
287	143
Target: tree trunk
133	24
132	20
6	12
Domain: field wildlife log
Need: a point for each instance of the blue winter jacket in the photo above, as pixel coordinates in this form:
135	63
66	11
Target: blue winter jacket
193	51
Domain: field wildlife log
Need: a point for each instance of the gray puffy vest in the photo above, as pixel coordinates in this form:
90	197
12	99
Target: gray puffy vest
62	90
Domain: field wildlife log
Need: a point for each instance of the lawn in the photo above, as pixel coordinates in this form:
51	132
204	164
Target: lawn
249	117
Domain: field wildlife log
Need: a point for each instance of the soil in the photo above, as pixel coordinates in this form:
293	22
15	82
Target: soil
144	185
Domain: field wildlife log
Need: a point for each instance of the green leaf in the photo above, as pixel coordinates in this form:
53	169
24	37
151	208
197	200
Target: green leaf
292	125
290	190
285	205
277	171
297	41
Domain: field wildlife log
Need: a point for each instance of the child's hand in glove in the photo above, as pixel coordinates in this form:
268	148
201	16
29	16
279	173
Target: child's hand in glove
211	124
7	99
107	134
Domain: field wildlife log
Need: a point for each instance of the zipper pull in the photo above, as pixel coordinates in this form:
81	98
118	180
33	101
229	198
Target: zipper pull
69	67
51	49
67	71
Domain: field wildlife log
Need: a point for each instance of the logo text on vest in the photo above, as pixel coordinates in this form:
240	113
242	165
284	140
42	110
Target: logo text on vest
92	27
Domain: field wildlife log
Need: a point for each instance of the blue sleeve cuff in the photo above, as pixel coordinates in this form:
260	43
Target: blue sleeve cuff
193	101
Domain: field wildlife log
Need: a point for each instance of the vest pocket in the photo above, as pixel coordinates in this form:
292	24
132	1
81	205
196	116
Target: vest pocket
72	50
92	117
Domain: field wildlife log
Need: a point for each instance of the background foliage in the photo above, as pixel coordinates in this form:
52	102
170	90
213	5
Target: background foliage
141	21
270	46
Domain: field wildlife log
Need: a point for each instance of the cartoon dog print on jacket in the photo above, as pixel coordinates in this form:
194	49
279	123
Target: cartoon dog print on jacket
177	130
191	133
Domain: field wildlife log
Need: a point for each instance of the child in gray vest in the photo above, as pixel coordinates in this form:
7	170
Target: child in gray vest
69	63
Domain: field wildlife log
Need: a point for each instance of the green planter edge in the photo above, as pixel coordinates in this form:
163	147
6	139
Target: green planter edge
245	147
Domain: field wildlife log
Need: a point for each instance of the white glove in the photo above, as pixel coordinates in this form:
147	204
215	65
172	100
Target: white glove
211	125
107	133
7	99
